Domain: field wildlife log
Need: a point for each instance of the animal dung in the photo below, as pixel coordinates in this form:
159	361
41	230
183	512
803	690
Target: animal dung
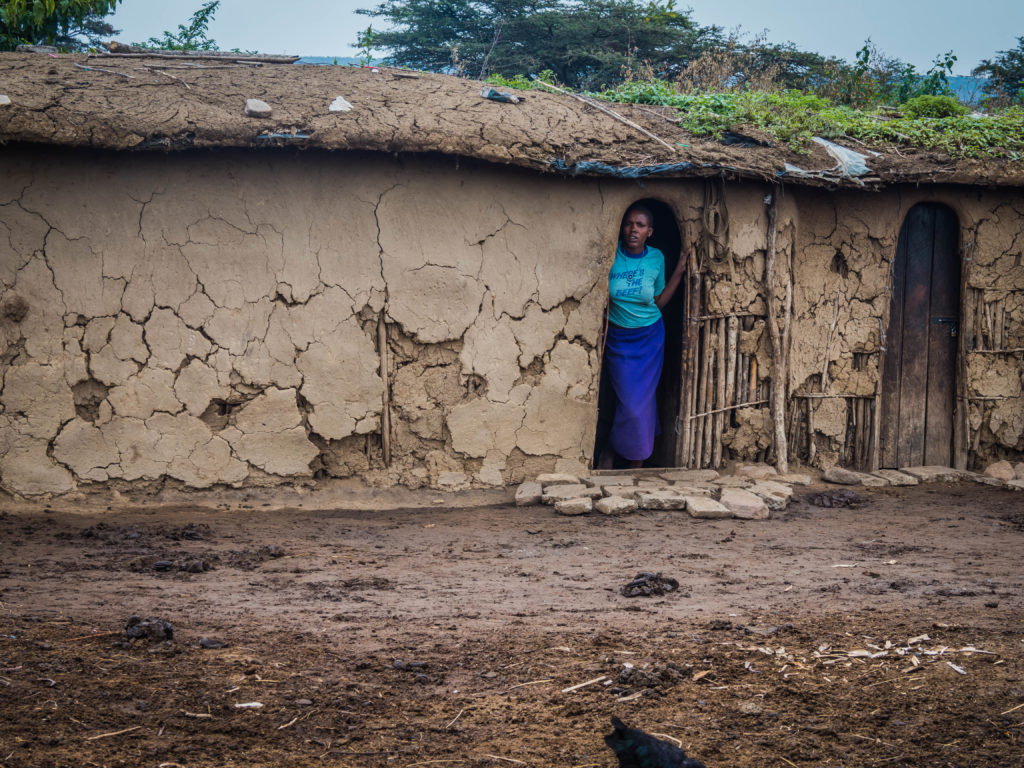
649	584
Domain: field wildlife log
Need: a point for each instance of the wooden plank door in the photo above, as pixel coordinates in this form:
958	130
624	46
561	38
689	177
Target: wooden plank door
919	379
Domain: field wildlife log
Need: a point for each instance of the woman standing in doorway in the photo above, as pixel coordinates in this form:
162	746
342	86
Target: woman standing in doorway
635	341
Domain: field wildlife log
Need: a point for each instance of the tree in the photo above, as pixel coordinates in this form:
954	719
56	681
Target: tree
1005	74
93	32
49	22
193	37
584	44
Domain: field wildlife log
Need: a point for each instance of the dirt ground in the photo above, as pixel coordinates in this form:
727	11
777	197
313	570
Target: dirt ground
396	628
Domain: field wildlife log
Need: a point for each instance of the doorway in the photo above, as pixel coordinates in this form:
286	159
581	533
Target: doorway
919	376
667	239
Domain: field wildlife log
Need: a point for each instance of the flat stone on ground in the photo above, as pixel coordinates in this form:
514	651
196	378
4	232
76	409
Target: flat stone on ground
661	499
615	505
528	494
687	476
577	506
556	493
775	502
778	489
895	477
706	509
557	478
1015	485
1001	470
794	478
977	477
4	100
744	504
694	490
604	481
732	482
843	476
933	474
755	471
620	491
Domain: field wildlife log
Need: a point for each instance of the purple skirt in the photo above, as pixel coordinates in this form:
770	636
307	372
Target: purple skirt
634	357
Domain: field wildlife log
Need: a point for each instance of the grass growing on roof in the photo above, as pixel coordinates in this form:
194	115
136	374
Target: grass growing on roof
793	117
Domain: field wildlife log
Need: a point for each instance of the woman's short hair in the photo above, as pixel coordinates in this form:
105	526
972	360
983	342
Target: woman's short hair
640	208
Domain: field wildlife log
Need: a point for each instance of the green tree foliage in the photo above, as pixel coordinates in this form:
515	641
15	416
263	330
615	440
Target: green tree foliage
585	44
875	78
1005	74
49	22
193	37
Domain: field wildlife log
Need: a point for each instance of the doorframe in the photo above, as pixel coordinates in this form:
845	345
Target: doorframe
664	206
961	427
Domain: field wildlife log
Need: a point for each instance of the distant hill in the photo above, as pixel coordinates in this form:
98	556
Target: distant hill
343	61
967	88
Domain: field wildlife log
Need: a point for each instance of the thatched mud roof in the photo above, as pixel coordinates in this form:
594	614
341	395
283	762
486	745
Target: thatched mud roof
166	104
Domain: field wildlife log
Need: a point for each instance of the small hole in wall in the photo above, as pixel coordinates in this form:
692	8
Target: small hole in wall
860	360
839	265
218	412
88	396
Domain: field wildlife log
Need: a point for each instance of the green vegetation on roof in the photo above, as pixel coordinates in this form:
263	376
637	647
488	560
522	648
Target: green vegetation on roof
792	117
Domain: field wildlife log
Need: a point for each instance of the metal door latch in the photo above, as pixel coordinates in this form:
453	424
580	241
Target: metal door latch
950	321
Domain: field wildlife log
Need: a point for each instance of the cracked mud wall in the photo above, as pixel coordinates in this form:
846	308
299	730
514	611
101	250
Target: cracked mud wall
845	245
211	318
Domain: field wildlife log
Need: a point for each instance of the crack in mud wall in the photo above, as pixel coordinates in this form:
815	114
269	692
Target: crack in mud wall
843	258
212	319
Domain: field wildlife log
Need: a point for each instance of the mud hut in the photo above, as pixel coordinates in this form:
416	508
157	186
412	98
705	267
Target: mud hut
407	283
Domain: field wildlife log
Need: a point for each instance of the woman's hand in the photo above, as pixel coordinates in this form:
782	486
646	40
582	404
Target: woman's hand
673	281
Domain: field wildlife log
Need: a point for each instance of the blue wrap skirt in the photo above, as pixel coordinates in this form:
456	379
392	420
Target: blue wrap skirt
634	358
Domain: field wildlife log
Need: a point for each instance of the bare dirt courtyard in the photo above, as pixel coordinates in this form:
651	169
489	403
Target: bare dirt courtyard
398	628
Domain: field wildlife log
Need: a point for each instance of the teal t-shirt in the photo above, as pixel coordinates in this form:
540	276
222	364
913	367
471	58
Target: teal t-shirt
633	283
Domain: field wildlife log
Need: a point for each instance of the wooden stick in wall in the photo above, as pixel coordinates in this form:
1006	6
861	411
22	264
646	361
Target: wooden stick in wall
778	391
385	416
709	426
720	402
732	334
706	394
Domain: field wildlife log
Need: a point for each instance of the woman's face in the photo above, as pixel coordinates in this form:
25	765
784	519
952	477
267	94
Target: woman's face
636	228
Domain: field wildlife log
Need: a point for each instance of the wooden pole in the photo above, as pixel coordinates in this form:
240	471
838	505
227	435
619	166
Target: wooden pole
778	391
732	334
611	113
720	403
690	311
385	416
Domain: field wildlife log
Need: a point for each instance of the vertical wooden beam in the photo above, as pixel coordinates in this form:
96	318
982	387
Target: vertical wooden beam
720	403
778	390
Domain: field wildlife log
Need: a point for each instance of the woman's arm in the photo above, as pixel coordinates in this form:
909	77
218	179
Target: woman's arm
672	283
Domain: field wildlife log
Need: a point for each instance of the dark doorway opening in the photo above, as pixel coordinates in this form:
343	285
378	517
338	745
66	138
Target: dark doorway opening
667	239
919	377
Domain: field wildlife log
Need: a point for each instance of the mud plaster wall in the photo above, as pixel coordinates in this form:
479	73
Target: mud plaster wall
842	261
212	318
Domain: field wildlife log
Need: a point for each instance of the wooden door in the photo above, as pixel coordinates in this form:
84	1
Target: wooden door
919	379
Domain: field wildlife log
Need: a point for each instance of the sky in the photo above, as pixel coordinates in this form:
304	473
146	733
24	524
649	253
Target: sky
913	30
